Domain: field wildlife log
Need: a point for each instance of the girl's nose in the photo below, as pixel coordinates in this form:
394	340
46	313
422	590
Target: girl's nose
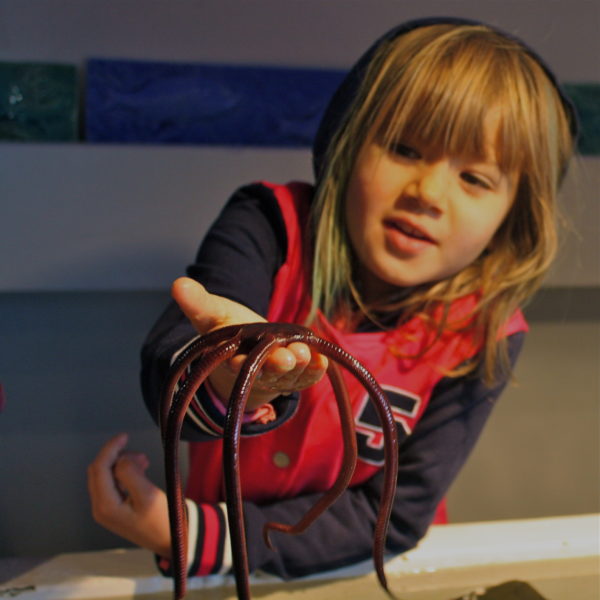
430	187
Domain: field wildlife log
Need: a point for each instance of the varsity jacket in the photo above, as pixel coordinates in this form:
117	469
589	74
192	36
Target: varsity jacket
253	254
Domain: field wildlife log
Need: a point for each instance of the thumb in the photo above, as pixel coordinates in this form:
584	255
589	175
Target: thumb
198	305
208	311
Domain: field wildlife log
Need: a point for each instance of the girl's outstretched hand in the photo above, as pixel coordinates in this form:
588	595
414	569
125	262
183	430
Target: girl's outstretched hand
125	501
287	369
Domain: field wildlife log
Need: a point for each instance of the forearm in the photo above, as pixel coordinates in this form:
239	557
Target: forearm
237	260
170	334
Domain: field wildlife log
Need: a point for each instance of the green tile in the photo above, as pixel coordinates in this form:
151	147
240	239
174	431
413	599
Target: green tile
38	102
586	97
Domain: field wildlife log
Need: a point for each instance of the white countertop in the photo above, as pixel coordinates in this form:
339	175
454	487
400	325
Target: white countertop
454	557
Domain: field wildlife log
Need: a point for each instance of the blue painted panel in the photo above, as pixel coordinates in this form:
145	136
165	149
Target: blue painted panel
189	103
159	102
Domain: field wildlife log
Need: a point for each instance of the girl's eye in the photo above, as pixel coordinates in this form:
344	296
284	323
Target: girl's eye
405	151
475	180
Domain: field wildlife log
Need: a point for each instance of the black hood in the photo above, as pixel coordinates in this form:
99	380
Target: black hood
345	93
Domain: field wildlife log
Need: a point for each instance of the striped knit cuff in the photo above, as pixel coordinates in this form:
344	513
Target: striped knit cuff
212	552
209	549
196	412
207	411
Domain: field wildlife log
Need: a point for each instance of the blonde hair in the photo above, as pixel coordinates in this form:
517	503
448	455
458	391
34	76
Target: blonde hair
437	84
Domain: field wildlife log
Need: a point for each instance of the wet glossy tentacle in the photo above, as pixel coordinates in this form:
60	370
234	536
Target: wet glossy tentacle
346	468
231	461
390	467
172	432
175	407
190	354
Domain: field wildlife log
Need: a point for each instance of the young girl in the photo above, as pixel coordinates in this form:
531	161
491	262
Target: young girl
432	220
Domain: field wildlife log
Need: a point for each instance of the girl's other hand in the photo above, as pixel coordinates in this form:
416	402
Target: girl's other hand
125	501
287	369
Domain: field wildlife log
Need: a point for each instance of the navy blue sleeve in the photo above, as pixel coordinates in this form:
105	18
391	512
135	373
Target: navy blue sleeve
244	249
430	459
238	259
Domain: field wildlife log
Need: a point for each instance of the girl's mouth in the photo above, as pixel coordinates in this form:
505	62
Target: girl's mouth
410	230
405	239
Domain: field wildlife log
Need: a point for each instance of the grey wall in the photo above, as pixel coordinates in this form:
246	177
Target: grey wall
91	237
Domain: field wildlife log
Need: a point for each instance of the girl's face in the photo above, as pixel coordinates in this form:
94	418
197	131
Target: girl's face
415	215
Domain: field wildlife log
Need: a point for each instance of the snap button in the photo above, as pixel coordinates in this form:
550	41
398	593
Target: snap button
281	460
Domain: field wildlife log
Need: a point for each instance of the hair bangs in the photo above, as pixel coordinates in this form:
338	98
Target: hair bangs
443	98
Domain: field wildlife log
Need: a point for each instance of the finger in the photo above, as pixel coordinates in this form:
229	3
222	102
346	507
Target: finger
293	361
126	462
109	453
130	474
280	361
318	362
302	354
131	461
106	500
294	367
235	363
101	483
308	375
278	364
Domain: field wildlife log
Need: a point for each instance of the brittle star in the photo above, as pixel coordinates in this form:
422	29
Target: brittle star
257	340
